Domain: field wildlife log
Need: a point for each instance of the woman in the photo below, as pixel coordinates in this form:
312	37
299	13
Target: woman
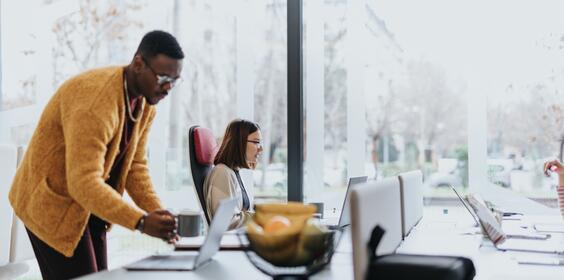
240	149
556	167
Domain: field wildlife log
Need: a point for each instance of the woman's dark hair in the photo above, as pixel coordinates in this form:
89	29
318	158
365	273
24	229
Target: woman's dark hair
159	42
233	149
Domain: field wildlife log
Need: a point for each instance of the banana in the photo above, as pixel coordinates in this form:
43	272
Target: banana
275	248
261	239
296	212
302	257
311	237
298	244
297	221
290	208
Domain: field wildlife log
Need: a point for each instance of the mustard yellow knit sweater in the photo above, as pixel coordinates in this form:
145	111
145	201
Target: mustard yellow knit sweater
61	180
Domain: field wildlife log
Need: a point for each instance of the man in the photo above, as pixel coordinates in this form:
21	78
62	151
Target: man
88	147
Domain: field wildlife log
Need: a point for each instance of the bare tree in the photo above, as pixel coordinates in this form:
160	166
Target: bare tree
270	93
539	134
82	36
209	91
432	111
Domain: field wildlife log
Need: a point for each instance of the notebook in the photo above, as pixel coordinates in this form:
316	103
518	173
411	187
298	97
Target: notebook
192	260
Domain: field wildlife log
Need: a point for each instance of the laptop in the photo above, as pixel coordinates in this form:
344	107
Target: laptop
345	217
371	204
229	242
187	261
537	243
468	208
411	191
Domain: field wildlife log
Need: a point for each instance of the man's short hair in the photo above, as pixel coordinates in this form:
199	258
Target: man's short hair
159	42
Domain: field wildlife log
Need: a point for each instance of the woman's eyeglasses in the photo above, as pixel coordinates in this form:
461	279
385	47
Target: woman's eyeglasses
256	142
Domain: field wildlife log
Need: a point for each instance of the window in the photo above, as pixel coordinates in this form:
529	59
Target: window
19	47
397	89
235	66
386	105
525	105
390	86
233	70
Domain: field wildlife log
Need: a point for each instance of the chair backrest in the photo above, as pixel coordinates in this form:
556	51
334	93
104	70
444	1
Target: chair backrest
202	150
411	190
374	203
8	164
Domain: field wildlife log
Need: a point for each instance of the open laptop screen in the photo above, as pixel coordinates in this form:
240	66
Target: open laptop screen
190	261
487	220
468	208
345	218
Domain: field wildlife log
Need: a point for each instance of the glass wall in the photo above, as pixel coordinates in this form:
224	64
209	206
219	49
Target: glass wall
526	98
235	67
470	93
416	93
469	102
380	100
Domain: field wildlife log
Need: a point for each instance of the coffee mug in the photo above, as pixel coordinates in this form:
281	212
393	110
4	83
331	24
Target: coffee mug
189	223
319	208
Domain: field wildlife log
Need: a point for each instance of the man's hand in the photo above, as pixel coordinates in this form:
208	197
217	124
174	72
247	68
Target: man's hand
161	224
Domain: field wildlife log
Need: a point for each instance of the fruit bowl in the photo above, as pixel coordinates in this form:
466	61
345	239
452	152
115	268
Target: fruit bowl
284	240
319	255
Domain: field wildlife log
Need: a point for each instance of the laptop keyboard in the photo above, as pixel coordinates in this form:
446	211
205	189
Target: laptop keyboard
171	262
544	246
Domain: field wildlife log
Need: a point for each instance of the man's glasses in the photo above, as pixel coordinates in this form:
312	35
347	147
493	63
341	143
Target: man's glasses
256	142
163	79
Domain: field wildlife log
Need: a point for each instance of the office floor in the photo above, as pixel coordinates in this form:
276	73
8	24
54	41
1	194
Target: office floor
124	247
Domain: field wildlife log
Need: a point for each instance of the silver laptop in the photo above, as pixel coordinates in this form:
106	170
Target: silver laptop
468	208
345	218
537	243
192	260
374	203
411	191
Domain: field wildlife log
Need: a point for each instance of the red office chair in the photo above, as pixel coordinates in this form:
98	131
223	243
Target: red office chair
203	148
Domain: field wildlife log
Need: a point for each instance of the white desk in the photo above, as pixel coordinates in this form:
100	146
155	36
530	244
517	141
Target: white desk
228	265
444	234
436	234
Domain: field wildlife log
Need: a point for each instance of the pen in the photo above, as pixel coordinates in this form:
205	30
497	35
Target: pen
552	168
529	236
542	262
505	214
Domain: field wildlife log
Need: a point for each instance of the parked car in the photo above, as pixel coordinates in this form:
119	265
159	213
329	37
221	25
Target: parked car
499	171
440	180
446	175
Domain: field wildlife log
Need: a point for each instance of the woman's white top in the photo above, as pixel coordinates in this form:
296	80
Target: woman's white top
221	183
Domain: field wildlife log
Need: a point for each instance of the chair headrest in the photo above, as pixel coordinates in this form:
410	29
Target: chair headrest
205	145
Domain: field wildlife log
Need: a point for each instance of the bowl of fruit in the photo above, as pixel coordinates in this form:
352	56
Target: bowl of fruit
285	240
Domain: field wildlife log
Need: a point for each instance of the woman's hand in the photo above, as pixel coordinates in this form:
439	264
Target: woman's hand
554	166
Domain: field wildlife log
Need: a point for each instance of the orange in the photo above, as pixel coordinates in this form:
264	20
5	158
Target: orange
276	224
